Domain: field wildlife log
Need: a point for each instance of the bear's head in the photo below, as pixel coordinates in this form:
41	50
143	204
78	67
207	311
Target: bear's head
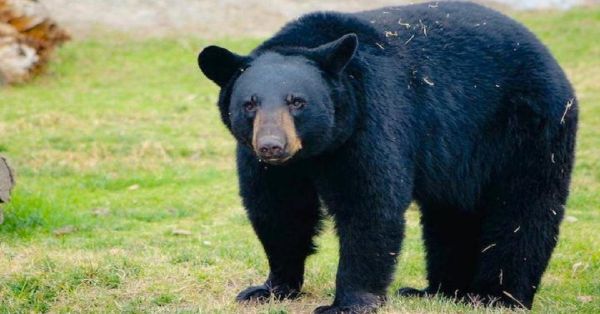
281	103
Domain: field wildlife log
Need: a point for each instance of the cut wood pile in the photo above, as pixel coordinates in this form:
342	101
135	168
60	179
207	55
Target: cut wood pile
7	182
27	38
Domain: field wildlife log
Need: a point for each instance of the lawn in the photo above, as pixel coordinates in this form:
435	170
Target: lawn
127	194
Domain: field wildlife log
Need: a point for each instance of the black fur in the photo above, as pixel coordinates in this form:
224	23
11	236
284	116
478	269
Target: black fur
451	105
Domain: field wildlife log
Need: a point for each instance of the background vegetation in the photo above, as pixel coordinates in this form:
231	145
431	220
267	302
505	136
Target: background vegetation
127	194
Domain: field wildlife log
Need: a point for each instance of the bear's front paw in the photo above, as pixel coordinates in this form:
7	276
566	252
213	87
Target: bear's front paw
355	303
255	293
262	293
350	309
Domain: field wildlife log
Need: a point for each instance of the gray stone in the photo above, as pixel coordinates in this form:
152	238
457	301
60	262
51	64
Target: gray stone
7	182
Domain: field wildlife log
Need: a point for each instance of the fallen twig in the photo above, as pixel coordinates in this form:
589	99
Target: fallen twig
513	298
567	108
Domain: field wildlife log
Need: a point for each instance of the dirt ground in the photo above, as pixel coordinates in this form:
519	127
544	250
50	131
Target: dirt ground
219	18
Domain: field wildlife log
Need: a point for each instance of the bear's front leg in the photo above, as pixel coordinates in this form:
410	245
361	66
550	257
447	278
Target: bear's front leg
369	246
283	208
368	210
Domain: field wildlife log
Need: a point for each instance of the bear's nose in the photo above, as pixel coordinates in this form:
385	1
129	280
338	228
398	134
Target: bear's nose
271	147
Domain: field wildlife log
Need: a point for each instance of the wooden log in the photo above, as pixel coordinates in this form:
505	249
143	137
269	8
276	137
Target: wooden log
27	39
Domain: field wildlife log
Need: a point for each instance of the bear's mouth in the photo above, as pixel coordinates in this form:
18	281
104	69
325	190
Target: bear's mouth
276	161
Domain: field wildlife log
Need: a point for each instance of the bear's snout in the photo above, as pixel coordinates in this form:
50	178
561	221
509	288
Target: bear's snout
274	137
271	147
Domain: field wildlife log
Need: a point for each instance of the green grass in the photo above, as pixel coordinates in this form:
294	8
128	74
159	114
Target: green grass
121	143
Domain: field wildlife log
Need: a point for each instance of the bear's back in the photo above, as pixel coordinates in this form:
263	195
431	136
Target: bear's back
461	48
469	24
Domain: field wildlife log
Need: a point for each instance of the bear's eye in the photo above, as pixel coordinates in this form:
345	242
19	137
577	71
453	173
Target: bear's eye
250	106
296	103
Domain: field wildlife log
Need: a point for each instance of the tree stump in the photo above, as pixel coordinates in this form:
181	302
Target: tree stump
27	38
7	182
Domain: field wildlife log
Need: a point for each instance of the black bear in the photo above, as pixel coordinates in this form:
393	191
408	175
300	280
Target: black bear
451	105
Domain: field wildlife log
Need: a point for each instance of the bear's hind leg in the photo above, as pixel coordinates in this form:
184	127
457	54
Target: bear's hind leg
450	238
519	234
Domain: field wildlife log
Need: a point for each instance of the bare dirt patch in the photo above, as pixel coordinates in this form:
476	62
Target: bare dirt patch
222	18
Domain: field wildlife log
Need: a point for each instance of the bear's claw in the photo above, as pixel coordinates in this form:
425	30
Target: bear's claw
262	293
411	292
357	303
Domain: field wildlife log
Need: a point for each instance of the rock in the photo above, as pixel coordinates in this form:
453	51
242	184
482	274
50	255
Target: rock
181	232
585	298
571	219
7	182
64	230
100	211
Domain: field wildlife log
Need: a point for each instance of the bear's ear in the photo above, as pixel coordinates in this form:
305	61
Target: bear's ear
334	56
220	64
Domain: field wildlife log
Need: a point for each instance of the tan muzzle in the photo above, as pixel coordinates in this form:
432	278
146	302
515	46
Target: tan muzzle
274	136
